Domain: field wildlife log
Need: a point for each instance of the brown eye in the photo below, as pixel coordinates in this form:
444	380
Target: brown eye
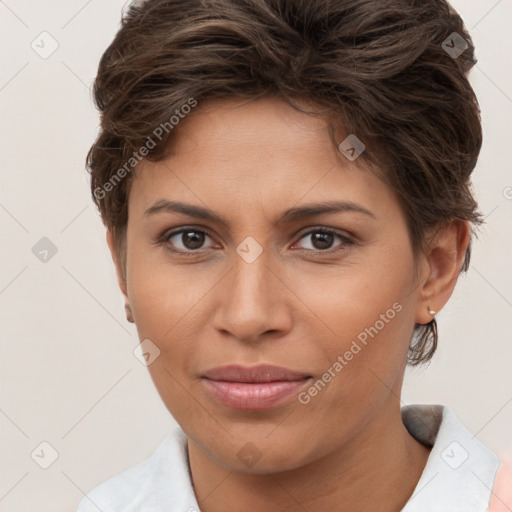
186	240
322	240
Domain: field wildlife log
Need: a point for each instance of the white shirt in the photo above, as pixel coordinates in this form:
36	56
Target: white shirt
458	477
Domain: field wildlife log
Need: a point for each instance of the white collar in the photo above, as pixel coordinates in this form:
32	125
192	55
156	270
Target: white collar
460	470
458	476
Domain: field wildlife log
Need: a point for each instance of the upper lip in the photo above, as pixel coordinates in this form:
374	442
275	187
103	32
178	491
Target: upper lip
260	373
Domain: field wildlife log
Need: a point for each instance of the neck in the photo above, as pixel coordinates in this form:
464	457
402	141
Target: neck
379	470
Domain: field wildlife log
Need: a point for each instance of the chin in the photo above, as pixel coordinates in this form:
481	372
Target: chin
259	457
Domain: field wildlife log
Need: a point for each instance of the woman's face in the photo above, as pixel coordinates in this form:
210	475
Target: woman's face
269	279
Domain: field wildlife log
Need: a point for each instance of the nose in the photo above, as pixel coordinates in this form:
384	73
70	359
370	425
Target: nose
253	301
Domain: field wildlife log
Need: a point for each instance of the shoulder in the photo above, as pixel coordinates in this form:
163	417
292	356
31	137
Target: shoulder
158	481
461	471
119	491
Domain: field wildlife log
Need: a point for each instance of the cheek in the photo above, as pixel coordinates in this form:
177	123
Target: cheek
369	311
364	370
162	295
164	302
365	293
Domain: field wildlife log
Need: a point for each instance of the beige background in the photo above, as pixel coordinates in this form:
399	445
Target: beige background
68	373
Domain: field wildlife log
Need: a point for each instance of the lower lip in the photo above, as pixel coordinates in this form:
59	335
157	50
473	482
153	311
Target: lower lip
253	396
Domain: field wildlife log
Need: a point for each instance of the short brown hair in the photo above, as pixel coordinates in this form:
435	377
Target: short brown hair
382	69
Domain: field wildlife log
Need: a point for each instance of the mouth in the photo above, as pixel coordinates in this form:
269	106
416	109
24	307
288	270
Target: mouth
253	388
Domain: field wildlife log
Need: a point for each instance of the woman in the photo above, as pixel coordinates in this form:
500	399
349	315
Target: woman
286	191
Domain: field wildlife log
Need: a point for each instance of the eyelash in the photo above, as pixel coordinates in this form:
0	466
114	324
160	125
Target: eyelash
346	241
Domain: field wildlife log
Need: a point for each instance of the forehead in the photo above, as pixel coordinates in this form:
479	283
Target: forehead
262	127
242	154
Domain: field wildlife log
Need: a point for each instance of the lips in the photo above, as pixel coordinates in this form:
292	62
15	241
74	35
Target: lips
262	373
253	388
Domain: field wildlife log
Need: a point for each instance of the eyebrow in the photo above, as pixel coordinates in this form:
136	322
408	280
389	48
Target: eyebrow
295	213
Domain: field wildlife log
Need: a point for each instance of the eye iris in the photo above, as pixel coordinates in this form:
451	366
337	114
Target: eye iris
322	240
192	239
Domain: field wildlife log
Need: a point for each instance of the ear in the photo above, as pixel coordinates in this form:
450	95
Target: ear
444	260
121	279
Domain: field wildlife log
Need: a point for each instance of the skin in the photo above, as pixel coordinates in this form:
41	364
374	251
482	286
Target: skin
294	306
